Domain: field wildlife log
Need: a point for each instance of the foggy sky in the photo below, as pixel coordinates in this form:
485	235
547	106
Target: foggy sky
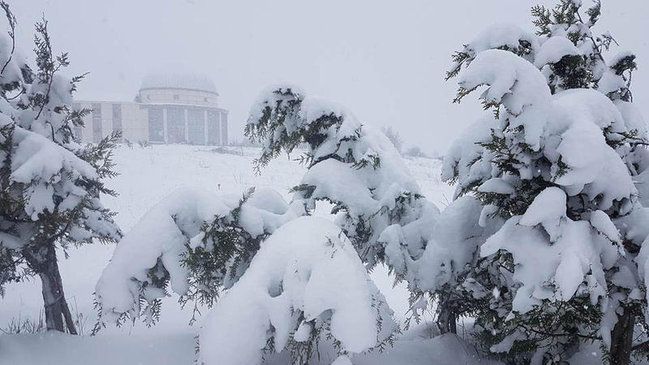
384	60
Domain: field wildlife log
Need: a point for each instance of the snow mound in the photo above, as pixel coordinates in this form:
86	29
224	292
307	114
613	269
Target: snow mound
511	80
554	49
454	242
499	36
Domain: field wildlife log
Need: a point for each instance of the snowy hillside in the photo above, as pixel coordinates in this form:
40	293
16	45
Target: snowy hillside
146	176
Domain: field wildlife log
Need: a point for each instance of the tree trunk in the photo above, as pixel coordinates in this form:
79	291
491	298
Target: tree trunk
57	312
447	319
622	339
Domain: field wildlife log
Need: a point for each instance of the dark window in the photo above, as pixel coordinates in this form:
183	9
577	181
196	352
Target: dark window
176	125
224	129
176	97
117	118
196	126
213	128
96	123
156	125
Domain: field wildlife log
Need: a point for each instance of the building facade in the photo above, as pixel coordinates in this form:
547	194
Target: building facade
167	109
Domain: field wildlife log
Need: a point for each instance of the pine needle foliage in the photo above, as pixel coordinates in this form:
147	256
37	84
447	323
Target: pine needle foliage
50	185
554	328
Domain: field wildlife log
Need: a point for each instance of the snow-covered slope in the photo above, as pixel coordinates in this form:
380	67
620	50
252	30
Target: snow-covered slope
146	176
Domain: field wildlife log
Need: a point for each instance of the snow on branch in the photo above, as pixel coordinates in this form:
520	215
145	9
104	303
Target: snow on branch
305	285
508	37
511	80
351	165
194	243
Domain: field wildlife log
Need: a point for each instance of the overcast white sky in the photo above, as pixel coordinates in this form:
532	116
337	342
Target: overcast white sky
384	60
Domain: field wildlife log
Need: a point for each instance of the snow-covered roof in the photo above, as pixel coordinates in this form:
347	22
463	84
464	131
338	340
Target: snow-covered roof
178	81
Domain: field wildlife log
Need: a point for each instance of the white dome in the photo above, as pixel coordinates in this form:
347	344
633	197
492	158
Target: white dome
178	81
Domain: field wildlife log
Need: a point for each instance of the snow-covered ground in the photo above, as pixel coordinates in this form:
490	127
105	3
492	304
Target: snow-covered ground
146	176
178	349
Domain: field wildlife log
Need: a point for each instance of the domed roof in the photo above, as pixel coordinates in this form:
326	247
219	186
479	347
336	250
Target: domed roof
178	81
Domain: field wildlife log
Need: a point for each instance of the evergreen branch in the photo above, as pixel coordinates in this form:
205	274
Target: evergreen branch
11	19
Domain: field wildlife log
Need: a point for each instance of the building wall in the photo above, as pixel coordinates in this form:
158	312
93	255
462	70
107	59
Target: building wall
107	117
191	124
214	127
178	96
224	127
85	134
133	117
160	116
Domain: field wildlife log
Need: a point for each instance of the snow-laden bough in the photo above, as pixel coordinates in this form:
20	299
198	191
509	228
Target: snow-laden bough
305	283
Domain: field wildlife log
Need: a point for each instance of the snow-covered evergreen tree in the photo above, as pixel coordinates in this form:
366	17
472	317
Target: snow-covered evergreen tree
306	287
557	166
352	166
193	242
50	186
556	254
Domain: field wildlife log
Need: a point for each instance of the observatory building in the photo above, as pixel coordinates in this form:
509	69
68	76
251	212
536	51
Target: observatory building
167	109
